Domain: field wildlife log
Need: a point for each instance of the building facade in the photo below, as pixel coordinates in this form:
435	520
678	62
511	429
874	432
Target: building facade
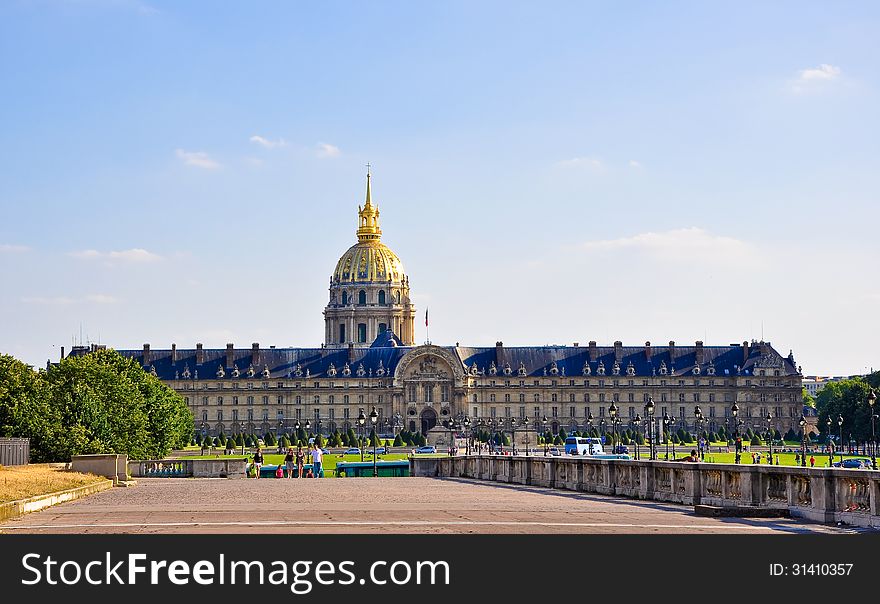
370	360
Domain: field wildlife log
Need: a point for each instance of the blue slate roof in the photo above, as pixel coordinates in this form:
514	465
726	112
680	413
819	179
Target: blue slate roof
385	353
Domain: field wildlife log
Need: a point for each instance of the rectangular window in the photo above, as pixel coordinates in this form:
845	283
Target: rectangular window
555	411
362	332
571	412
522	412
601	411
537	411
444	392
342	333
476	412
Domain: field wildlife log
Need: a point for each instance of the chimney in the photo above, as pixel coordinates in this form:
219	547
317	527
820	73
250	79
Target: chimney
230	356
576	344
618	351
746	352
62	353
146	362
672	352
499	354
173	353
648	351
594	354
255	354
765	348
699	353
200	354
351	352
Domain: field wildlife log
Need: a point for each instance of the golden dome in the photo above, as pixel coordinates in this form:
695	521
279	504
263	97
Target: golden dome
369	259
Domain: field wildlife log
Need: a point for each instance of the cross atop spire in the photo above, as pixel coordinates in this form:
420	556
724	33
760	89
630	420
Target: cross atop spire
368	217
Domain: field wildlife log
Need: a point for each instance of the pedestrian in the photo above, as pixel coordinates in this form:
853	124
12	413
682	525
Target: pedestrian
258	461
812	461
300	460
797	459
317	457
288	462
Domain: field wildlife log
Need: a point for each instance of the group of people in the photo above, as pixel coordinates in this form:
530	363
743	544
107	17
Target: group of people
797	460
293	459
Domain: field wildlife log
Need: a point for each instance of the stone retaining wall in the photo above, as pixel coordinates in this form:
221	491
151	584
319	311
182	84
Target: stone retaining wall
14	509
817	494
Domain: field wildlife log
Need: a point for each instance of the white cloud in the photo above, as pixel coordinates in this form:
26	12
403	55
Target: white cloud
635	164
101	299
8	248
822	72
326	150
814	78
592	163
134	255
268	144
695	244
199	159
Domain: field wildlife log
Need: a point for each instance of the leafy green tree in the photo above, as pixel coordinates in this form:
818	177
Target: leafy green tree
847	398
230	444
398	442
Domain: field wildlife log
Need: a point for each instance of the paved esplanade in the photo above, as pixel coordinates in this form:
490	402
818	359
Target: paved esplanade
373	505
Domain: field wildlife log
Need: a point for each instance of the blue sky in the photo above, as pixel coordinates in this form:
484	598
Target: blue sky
547	172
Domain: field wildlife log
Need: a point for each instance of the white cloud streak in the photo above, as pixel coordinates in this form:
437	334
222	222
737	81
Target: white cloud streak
134	255
199	159
266	143
822	72
592	163
686	244
326	151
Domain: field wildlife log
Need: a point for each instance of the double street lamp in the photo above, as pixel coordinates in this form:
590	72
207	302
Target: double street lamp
612	411
638	424
769	419
734	410
649	417
840	427
666	422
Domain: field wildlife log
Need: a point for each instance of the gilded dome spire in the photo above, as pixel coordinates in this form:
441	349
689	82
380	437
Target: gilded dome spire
368	218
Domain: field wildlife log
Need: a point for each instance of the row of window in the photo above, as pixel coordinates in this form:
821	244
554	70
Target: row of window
695	397
298	400
347	414
631	412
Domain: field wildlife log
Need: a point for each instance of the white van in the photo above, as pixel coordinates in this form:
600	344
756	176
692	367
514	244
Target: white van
578	445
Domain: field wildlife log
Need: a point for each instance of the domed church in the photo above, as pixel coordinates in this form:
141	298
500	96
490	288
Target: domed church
369	292
370	360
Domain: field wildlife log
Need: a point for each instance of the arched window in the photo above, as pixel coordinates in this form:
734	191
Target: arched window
362	297
383	327
381	296
345	298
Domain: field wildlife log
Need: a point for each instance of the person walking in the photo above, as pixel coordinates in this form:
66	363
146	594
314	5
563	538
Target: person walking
300	460
288	462
812	461
317	458
258	461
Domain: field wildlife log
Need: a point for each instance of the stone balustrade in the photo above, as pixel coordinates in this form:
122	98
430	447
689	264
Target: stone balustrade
188	468
817	494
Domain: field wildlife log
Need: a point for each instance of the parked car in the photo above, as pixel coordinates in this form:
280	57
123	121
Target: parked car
620	449
352	451
426	450
854	464
380	451
554	451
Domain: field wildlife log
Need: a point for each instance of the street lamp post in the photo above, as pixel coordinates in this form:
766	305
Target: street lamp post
361	421
544	426
803	425
612	411
872	398
649	417
638	424
830	443
698	424
734	410
666	433
769	419
840	428
374	419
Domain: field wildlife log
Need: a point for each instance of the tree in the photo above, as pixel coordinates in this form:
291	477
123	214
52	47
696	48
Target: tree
847	398
319	441
398	442
809	401
230	444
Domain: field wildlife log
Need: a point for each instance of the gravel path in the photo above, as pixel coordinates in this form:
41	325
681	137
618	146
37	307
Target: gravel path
373	505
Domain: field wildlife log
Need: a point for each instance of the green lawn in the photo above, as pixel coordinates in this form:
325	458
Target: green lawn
785	459
330	460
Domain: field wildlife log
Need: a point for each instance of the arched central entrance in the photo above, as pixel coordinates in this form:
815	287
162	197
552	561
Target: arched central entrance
429	420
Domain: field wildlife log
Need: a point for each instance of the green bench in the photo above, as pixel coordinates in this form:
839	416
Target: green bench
358	469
